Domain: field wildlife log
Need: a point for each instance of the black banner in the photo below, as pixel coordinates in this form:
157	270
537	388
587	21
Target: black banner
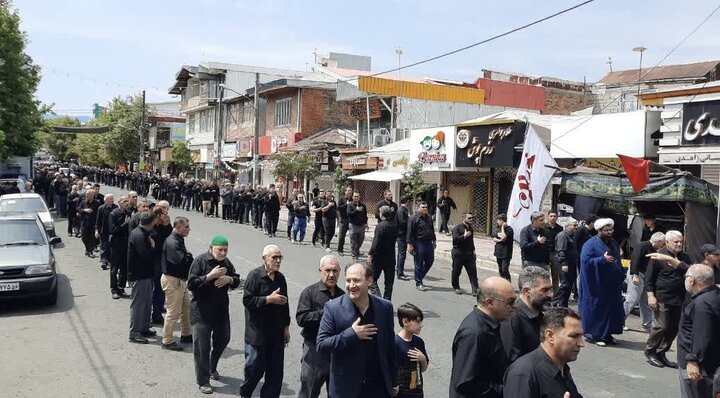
701	123
488	145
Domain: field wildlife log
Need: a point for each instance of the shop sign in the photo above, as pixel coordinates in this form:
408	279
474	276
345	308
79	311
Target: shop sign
488	145
701	123
277	143
429	147
690	158
319	157
360	160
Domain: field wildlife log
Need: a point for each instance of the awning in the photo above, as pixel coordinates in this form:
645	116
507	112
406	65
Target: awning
379	175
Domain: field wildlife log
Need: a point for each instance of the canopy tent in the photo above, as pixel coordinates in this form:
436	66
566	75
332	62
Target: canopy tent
379	175
677	196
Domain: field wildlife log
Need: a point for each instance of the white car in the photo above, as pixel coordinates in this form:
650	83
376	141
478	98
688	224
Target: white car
29	202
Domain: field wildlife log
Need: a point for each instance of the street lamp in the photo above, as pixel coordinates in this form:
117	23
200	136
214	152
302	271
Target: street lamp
639	49
399	53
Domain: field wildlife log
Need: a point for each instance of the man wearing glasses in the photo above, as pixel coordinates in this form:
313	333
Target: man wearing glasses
479	359
601	278
665	286
267	323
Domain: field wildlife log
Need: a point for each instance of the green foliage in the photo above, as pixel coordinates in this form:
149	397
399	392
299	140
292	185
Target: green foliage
415	185
61	146
20	112
340	181
89	149
181	156
291	166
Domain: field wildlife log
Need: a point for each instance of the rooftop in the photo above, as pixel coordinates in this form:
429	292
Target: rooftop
695	71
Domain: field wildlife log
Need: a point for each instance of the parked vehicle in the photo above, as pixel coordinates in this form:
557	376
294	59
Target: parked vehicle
27	262
29	202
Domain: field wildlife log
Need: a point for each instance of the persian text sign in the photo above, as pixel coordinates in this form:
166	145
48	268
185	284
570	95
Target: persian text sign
531	180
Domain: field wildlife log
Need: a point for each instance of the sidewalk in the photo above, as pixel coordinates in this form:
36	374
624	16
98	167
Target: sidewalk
484	246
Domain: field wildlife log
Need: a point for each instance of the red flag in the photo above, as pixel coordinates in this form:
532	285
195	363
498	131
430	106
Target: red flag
637	170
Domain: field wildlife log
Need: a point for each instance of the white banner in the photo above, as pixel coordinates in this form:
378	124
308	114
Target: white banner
530	183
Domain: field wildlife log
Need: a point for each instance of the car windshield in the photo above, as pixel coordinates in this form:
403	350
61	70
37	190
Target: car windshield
23	204
20	232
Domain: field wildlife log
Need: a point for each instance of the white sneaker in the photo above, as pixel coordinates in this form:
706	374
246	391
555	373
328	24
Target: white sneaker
329	250
293	242
625	328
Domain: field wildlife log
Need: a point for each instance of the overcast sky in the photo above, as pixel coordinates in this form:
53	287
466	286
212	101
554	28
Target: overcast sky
93	50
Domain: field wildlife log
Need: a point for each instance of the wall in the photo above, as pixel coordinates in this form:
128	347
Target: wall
622	98
271	98
564	102
321	111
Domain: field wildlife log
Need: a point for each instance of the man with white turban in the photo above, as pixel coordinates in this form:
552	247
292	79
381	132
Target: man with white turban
601	277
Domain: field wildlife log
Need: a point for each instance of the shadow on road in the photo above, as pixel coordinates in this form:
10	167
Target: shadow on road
65	302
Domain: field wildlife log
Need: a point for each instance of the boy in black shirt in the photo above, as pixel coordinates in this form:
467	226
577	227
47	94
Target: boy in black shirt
412	357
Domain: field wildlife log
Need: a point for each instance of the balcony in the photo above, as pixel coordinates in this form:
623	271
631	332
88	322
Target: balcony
198	95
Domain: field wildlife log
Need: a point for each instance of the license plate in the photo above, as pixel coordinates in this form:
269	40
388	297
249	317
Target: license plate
8	287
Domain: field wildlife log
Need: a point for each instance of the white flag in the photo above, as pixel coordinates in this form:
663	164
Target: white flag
530	183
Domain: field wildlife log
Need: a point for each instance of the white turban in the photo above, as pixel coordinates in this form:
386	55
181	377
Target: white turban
603	222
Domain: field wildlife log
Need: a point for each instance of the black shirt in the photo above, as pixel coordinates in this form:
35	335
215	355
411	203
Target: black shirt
582	235
393	209
210	304
408	370
536	376
357	213
331	213
383	244
639	260
140	264
264	323
699	337
301	209
445	203
420	228
103	223
272	204
530	248
401	219
479	359
342	207
551	232
372	360
89	219
521	333
460	242
310	306
566	250
504	249
667	283
317	204
647	233
175	260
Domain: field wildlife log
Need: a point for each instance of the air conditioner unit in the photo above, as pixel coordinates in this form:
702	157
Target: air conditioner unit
400	133
381	137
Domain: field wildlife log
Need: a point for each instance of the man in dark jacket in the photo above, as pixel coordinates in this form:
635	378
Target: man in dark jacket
636	293
533	242
119	233
103	229
503	245
382	253
342	204
141	270
329	216
88	212
401	220
698	343
316	211
387	200
357	215
463	254
445	204
211	275
272	212
566	263
161	231
267	325
421	243
175	263
665	286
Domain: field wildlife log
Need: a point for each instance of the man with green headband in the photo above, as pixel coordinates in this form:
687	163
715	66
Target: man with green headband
210	276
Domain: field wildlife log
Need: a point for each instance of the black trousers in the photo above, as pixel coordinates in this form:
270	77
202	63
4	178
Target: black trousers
209	342
567	280
272	220
383	263
227	212
246	217
258	217
329	229
118	264
462	260
239	212
344	226
314	371
88	238
444	221
504	268
319	232
665	328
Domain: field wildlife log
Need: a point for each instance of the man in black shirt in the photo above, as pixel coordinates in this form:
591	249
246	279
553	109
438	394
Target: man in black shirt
445	204
711	257
401	220
314	368
329	216
272	212
382	253
463	254
102	229
316	211
552	229
665	286
566	263
584	233
421	243
175	263
478	357
651	227
119	232
636	282
88	212
357	215
533	242
141	269
521	333
344	220
698	343
387	201
267	322
544	372
503	246
210	277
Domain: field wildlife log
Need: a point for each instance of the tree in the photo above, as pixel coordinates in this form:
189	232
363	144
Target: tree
415	184
181	156
20	112
340	181
90	149
291	166
61	146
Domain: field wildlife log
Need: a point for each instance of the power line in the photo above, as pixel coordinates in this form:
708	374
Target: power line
623	92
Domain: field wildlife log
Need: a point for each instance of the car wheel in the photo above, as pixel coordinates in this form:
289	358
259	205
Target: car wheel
51	298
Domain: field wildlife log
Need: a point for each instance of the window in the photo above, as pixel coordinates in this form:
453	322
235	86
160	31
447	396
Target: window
191	123
207	120
248	112
233	114
282	112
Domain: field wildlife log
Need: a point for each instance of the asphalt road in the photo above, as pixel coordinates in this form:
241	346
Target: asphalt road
79	347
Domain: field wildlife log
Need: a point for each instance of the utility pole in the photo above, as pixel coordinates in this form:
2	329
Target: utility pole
218	132
142	131
256	143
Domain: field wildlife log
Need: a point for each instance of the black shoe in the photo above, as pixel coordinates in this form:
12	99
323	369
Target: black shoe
138	340
206	389
653	360
122	293
214	375
148	333
104	267
172	346
115	296
186	339
663	360
158	321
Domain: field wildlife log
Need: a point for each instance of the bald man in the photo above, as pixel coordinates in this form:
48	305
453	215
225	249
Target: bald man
479	359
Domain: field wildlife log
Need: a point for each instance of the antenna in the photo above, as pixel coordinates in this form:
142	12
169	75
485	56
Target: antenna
609	62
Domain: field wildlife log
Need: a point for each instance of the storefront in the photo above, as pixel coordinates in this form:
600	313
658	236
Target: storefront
392	162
